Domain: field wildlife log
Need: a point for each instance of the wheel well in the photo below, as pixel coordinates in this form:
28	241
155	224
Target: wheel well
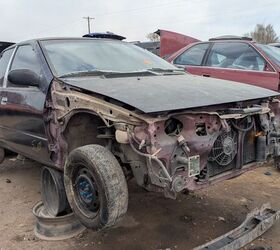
83	129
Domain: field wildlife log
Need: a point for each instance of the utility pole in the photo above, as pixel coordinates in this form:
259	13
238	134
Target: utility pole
88	21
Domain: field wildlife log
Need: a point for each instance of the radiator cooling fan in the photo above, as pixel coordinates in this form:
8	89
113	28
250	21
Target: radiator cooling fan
224	148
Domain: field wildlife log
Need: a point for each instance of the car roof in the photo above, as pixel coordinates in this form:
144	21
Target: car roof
231	38
220	41
216	41
32	41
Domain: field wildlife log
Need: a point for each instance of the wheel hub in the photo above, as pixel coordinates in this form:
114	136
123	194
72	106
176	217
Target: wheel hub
86	191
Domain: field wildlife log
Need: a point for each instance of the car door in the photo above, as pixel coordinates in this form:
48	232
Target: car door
22	107
5	59
240	62
193	58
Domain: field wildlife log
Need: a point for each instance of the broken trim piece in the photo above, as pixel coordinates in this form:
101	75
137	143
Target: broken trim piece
256	223
78	101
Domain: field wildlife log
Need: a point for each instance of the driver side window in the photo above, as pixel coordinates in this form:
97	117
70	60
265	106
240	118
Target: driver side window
25	58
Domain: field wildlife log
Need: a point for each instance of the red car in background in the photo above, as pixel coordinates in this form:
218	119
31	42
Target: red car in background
232	58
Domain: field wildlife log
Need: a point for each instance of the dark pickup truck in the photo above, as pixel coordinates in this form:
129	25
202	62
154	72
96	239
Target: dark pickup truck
97	112
4	45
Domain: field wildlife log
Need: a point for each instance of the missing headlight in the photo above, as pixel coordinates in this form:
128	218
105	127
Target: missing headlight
173	127
200	129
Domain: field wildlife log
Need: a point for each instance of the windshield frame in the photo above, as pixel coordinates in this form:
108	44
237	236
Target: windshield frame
267	55
56	74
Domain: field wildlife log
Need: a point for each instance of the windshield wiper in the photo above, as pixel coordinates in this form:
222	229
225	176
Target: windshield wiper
94	72
161	70
107	73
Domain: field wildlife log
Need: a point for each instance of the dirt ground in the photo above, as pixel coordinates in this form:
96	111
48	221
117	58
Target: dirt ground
152	221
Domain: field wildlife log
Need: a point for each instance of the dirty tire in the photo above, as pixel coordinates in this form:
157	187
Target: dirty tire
106	183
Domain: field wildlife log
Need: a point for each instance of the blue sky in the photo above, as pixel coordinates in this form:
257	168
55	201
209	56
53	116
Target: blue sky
25	19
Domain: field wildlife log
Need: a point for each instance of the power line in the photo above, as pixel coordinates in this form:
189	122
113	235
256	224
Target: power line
141	9
149	7
226	14
88	21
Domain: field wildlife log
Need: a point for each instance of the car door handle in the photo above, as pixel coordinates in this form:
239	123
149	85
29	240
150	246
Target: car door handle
206	75
4	100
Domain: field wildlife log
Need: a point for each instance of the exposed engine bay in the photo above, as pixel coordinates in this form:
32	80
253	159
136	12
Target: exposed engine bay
197	149
186	150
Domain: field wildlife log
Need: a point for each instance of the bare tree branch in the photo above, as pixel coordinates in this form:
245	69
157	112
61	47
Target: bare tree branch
264	34
153	37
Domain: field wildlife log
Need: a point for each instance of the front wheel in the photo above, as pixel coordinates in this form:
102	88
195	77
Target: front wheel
95	186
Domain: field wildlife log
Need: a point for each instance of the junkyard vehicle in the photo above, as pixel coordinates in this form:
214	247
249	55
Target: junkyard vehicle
4	45
232	58
98	111
277	45
169	43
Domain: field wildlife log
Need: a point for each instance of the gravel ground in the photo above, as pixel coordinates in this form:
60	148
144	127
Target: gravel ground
152	221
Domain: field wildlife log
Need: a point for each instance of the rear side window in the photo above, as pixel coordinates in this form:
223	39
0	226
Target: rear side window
4	61
193	56
25	58
235	56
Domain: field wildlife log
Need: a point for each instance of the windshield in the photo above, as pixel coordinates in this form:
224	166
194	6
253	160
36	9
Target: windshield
77	55
272	52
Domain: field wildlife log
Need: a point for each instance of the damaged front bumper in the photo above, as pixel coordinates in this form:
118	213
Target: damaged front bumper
194	150
256	223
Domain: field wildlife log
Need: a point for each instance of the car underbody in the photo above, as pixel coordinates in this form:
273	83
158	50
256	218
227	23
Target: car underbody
169	151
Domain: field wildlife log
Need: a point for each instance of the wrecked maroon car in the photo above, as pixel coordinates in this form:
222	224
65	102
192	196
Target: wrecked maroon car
97	112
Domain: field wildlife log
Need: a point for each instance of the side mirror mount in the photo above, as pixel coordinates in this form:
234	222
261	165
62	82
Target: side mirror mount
180	66
24	77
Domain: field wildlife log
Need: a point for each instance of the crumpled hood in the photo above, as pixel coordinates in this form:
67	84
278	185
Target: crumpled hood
170	92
